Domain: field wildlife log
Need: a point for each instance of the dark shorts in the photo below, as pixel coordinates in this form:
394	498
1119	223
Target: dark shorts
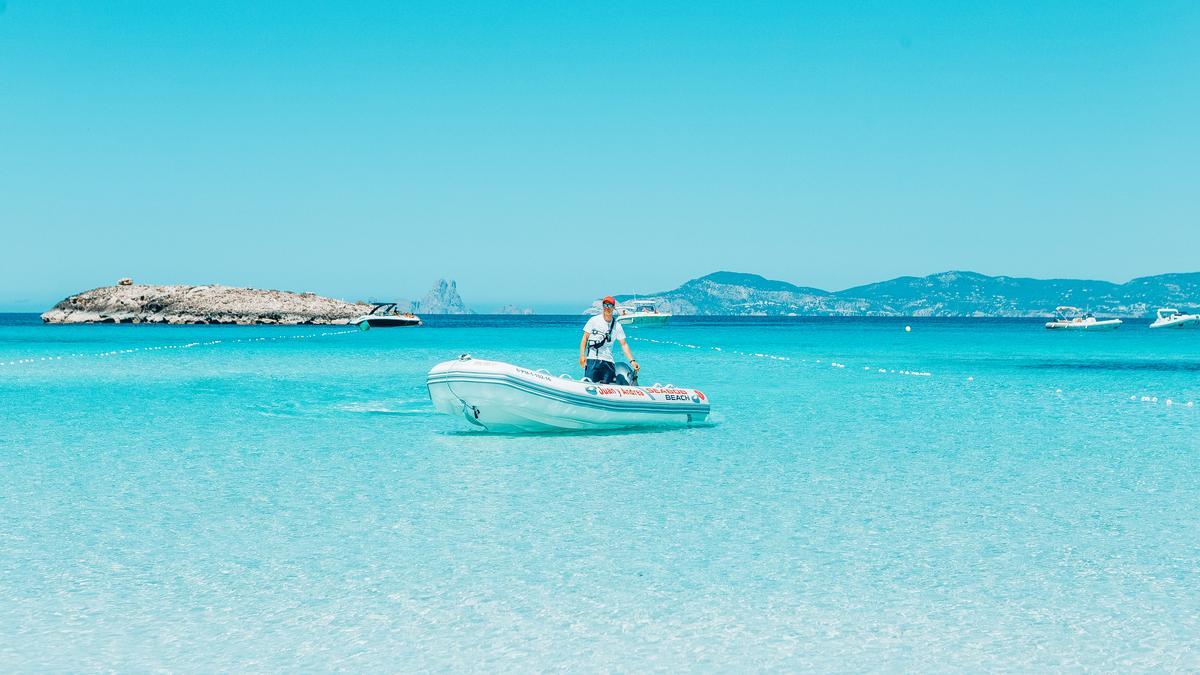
600	372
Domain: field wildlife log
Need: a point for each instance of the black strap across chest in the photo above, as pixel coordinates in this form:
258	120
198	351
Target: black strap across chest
607	337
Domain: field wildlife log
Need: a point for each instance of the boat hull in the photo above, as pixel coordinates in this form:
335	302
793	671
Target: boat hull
1109	324
503	398
387	321
637	320
1190	321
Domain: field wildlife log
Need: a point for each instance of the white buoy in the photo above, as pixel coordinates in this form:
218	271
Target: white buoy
908	329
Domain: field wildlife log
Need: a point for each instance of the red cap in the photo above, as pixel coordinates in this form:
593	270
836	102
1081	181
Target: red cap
609	299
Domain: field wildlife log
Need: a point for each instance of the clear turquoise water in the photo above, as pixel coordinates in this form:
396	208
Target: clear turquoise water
295	503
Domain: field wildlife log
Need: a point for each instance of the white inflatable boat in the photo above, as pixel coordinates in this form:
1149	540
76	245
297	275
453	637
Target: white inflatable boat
1073	318
504	398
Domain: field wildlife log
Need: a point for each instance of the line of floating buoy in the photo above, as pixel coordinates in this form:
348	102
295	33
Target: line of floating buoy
775	357
187	345
687	345
1154	400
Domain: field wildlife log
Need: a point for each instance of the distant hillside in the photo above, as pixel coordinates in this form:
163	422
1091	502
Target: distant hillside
749	294
944	294
973	294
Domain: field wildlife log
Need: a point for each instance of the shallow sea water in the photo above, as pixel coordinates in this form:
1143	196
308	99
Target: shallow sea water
278	498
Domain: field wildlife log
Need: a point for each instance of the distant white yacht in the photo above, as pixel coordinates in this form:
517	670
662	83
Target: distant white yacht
1073	318
385	315
642	312
1169	317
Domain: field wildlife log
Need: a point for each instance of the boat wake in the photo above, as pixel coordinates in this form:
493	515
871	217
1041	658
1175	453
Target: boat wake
415	407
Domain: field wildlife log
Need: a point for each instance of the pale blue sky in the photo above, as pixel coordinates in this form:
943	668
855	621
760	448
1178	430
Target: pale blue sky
546	153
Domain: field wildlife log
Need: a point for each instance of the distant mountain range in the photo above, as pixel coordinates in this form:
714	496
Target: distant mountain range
944	294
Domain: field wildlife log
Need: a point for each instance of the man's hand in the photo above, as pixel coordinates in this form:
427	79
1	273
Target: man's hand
636	367
583	362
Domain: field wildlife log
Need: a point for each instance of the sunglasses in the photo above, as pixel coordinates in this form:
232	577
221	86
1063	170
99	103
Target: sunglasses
609	304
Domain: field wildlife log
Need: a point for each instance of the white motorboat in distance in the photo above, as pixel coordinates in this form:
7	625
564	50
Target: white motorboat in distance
500	397
1169	317
642	313
385	315
1073	318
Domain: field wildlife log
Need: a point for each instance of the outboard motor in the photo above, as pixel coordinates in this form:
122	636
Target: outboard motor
626	375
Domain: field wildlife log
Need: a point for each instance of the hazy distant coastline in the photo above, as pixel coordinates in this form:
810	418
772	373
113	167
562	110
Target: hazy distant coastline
948	294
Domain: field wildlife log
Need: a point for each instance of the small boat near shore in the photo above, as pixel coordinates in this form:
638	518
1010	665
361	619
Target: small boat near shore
504	398
1169	317
385	315
1073	318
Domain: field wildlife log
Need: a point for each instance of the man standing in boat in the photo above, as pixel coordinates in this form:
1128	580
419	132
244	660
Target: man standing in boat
595	349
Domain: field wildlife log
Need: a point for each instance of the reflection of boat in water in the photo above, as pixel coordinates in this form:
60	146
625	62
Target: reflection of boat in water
642	313
1168	317
501	397
1073	318
385	315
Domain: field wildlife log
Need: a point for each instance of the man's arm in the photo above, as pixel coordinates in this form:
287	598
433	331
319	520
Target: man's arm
583	350
629	355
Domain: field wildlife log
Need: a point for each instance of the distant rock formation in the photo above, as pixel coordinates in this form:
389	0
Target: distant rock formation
441	299
513	309
943	294
141	303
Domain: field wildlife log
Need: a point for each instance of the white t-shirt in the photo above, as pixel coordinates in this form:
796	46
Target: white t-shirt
595	329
